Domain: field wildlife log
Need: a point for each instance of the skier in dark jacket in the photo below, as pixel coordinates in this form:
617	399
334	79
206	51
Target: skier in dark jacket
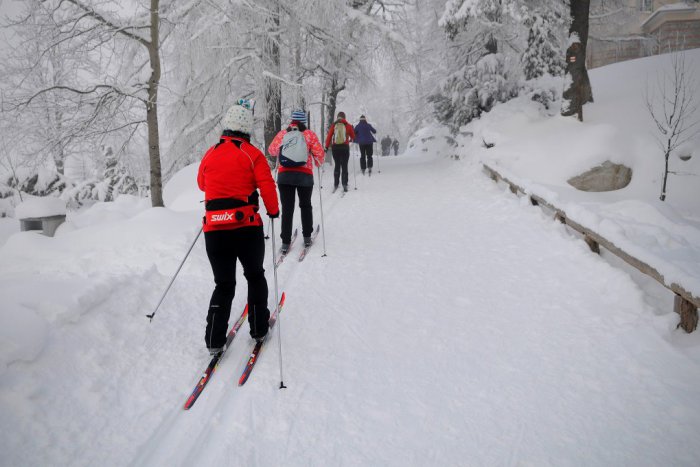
365	139
230	175
395	145
386	145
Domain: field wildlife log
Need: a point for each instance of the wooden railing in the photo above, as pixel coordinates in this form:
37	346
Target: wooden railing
685	304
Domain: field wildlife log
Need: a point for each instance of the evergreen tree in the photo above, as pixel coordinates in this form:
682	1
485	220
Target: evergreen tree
116	178
543	54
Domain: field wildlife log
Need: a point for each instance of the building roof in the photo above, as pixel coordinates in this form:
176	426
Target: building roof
674	11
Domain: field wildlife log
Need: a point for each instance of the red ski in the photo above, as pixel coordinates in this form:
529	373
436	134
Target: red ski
302	255
281	256
215	362
258	345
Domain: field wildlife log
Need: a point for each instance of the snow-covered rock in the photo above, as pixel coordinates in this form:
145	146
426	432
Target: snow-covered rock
608	176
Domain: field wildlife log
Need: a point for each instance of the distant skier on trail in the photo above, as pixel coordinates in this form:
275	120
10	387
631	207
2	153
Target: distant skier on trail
297	150
340	135
365	139
395	145
230	174
386	145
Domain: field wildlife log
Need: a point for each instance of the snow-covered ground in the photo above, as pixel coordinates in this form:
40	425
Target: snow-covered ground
541	153
451	323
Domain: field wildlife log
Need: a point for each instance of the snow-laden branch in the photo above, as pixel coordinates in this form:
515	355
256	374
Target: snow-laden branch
94	89
118	29
383	28
274	77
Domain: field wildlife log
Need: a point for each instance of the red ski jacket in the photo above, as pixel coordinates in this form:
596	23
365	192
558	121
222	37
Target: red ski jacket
227	171
316	152
349	133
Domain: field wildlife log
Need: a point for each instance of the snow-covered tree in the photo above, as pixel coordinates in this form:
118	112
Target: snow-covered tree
543	54
116	177
482	69
116	49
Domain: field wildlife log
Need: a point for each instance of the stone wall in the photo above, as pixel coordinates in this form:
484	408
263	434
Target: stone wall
604	52
678	35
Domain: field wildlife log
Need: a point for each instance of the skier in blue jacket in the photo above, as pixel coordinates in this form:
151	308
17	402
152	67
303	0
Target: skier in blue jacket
364	137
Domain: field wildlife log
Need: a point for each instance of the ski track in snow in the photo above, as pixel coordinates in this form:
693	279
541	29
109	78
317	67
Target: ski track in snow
450	324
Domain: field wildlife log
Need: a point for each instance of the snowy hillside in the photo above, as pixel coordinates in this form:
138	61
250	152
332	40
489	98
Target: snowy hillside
449	324
541	153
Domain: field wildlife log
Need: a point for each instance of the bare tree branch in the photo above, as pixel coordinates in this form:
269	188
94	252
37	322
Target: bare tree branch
119	29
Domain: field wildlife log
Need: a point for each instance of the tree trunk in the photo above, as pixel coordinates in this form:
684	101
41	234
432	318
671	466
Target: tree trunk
152	109
59	152
333	92
663	187
332	97
300	100
273	88
59	145
579	91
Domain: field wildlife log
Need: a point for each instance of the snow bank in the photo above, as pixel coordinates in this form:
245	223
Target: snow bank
540	153
433	140
8	227
181	193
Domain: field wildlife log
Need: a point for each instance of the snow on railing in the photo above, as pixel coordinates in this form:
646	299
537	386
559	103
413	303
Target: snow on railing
686	303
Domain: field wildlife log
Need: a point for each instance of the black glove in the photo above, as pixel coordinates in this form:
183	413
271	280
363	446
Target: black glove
273	216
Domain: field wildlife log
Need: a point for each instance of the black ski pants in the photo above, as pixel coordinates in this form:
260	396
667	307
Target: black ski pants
287	198
224	247
366	151
341	156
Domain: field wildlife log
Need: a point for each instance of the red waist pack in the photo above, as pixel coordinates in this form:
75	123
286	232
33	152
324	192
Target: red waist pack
233	218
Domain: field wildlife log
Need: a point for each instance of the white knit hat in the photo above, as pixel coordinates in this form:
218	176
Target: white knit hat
238	118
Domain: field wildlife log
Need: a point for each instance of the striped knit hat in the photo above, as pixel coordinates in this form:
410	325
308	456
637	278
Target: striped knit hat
299	116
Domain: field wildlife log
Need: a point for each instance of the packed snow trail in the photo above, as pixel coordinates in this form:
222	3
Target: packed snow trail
450	324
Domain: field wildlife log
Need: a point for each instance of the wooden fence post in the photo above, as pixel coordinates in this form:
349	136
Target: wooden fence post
592	244
688	312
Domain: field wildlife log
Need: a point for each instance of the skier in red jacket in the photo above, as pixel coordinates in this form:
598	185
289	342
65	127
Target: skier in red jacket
230	174
340	135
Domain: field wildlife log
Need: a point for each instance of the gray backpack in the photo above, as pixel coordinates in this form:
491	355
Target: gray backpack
293	151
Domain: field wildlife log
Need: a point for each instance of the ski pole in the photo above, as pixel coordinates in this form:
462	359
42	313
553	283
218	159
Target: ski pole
277	300
176	273
354	170
374	146
321	173
320	199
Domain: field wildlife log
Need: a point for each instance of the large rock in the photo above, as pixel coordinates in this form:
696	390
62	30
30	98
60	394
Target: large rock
605	177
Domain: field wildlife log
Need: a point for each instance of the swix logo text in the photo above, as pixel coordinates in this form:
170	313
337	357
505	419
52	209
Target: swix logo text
222	217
